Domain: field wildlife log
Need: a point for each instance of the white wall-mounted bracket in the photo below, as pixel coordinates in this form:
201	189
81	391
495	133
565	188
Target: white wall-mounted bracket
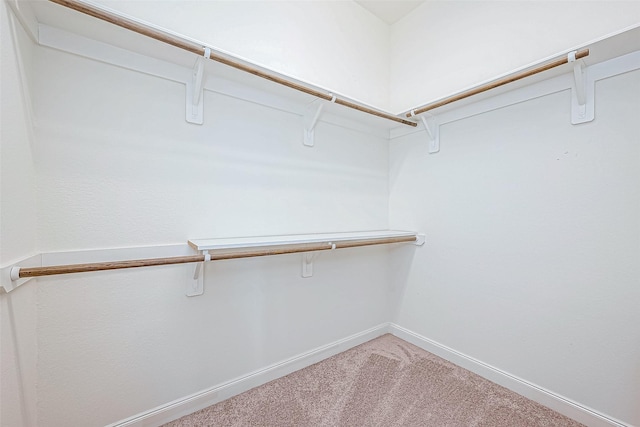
432	127
311	120
14	279
582	92
10	275
195	91
195	278
420	240
307	261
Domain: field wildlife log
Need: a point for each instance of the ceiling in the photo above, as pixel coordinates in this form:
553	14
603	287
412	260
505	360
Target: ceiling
390	11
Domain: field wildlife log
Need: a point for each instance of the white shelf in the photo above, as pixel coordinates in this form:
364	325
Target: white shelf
268	241
66	30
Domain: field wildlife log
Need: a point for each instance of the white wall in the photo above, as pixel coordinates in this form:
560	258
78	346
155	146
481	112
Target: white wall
443	47
533	243
337	45
115	165
17	226
118	166
438	49
18	175
112	143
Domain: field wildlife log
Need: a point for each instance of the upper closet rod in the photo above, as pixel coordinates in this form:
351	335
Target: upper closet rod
220	254
497	83
200	51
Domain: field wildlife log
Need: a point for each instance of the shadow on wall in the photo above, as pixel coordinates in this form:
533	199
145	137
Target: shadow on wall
401	259
15	355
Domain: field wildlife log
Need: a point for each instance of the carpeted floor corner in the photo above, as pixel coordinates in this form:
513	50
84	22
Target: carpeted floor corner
384	382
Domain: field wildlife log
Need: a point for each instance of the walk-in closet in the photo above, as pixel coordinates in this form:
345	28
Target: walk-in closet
319	213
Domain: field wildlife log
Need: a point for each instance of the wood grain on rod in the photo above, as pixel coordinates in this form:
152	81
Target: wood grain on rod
129	24
497	83
374	112
222	254
216	254
100	266
375	241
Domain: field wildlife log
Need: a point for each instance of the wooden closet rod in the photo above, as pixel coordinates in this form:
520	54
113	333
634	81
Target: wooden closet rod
199	50
217	254
497	83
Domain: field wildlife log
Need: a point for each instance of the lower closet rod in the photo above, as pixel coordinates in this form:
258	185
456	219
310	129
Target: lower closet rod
218	254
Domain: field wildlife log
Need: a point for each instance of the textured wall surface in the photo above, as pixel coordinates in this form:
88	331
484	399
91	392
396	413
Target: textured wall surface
533	233
337	45
443	47
534	240
118	166
18	228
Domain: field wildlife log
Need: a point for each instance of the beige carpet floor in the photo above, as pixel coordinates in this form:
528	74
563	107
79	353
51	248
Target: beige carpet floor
384	382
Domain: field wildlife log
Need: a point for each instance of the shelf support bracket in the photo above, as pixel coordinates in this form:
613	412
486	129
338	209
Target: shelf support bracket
195	89
432	127
195	279
14	279
310	122
582	92
307	261
10	276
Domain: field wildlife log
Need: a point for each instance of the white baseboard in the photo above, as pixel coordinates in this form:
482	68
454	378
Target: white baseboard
189	404
531	391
